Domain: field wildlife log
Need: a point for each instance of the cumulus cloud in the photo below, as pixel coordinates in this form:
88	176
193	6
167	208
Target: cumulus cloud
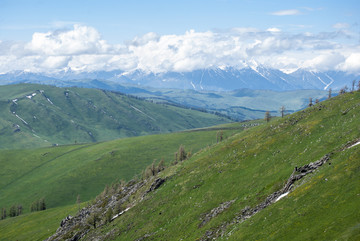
80	40
83	49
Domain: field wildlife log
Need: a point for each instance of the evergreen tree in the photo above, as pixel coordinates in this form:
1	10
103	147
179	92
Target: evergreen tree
78	201
12	212
108	215
267	116
282	110
3	213
93	219
181	153
310	102
329	96
161	165
42	205
353	86
19	210
219	136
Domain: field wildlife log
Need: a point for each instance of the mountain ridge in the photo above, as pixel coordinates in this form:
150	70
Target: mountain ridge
217	79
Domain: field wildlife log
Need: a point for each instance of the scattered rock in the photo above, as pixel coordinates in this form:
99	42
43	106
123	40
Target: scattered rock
156	184
215	211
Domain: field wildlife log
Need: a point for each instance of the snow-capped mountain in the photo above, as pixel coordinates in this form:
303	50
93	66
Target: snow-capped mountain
252	76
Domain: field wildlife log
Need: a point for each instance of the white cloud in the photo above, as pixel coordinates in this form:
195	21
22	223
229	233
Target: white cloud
274	30
286	12
80	40
82	48
341	25
352	63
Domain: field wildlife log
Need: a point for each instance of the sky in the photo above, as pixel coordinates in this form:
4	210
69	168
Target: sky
163	35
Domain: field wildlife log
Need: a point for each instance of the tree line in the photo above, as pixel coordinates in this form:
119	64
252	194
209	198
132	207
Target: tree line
17	209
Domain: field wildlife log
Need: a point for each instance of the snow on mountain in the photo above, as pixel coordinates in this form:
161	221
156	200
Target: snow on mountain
252	76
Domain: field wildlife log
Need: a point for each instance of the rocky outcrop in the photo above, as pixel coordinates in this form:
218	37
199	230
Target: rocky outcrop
248	212
156	184
93	216
215	211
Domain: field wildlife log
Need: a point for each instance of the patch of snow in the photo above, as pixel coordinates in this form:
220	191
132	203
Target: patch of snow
14	101
30	96
332	81
119	214
357	143
36	136
281	196
49	101
289	71
142	112
193	85
21	119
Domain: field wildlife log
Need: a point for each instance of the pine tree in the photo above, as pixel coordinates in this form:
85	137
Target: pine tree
181	153
329	95
3	213
310	102
219	136
109	215
12	212
93	219
161	165
353	86
282	111
267	116
42	205
19	210
78	201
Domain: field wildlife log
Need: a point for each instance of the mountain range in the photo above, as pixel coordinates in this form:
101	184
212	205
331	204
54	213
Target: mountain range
253	76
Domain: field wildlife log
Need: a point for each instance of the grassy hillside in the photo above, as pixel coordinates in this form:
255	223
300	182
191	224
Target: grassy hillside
207	195
39	115
246	169
61	173
35	226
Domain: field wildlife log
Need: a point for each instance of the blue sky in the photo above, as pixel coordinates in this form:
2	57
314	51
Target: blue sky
328	27
119	21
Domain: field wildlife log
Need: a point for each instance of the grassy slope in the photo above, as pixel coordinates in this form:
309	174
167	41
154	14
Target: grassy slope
61	173
250	166
34	226
68	115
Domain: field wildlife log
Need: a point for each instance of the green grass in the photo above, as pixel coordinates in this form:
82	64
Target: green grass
78	115
35	226
61	173
250	166
247	167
